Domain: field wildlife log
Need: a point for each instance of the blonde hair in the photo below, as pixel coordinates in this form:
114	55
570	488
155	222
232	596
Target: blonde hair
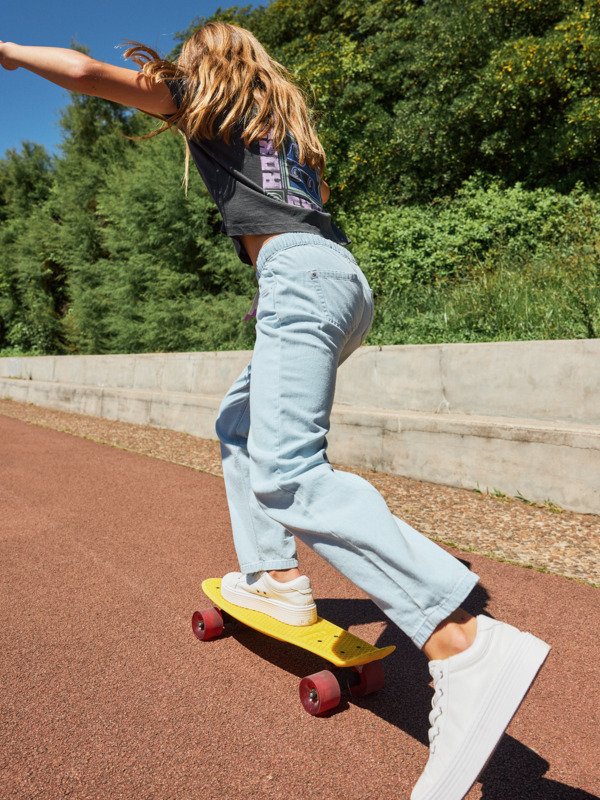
230	80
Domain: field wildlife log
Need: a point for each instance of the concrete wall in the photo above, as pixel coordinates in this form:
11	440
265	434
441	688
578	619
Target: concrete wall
517	417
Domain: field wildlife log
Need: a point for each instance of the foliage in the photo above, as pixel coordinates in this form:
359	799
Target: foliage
489	264
30	293
160	280
463	144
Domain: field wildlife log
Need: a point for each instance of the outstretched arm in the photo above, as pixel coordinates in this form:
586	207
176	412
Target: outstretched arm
80	73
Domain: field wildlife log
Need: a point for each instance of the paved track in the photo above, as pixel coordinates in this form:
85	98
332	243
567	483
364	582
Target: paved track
105	693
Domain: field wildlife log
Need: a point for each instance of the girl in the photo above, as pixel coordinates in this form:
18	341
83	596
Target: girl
251	138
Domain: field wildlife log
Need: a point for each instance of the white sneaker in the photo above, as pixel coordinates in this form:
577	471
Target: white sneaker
476	695
290	602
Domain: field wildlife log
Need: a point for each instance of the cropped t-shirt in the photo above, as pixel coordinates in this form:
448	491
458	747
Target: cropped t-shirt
259	189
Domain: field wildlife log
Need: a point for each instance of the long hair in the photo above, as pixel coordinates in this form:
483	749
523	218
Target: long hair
231	80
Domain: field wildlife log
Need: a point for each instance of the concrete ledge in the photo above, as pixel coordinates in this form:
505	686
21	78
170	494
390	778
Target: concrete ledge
178	411
519	418
538	461
528	380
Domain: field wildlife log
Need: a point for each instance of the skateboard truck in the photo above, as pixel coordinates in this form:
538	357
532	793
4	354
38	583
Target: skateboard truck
322	691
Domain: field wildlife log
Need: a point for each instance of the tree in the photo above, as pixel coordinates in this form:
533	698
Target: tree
31	287
440	120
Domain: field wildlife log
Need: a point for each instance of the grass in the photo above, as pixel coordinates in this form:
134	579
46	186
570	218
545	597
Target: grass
499	495
551	294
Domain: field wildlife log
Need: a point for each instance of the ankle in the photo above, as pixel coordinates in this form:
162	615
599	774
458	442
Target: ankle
452	636
284	575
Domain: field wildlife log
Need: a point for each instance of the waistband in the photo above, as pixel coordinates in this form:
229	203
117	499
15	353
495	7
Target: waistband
286	240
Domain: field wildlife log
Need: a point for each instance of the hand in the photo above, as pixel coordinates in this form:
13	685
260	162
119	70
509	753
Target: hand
6	62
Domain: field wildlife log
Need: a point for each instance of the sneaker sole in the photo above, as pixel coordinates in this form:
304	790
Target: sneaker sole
502	702
298	617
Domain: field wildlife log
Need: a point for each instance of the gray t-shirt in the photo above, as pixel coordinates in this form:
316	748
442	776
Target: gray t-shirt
258	189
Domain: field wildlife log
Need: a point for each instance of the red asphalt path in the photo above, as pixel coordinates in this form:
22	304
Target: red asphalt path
105	692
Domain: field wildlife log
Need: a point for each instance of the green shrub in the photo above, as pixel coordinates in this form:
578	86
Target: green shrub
488	264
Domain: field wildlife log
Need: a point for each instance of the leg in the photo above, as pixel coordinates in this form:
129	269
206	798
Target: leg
313	304
261	543
452	636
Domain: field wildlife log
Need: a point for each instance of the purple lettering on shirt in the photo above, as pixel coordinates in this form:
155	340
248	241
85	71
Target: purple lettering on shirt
271	180
269	163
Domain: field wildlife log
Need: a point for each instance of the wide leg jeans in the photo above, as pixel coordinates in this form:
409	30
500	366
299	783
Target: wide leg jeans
315	308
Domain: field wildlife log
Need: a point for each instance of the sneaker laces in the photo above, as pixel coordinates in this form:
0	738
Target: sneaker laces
437	672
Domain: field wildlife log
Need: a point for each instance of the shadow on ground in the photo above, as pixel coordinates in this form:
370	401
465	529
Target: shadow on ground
516	772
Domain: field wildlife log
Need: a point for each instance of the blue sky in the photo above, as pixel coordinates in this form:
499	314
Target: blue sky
30	104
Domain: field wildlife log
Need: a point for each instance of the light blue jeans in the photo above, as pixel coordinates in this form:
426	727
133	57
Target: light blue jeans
315	308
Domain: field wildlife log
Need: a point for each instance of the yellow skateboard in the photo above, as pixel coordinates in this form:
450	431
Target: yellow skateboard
356	663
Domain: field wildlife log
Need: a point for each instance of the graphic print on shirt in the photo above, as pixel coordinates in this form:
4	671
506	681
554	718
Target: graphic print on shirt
285	178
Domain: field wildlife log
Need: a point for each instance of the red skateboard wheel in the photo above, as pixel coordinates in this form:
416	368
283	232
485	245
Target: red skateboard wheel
371	679
207	624
320	692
